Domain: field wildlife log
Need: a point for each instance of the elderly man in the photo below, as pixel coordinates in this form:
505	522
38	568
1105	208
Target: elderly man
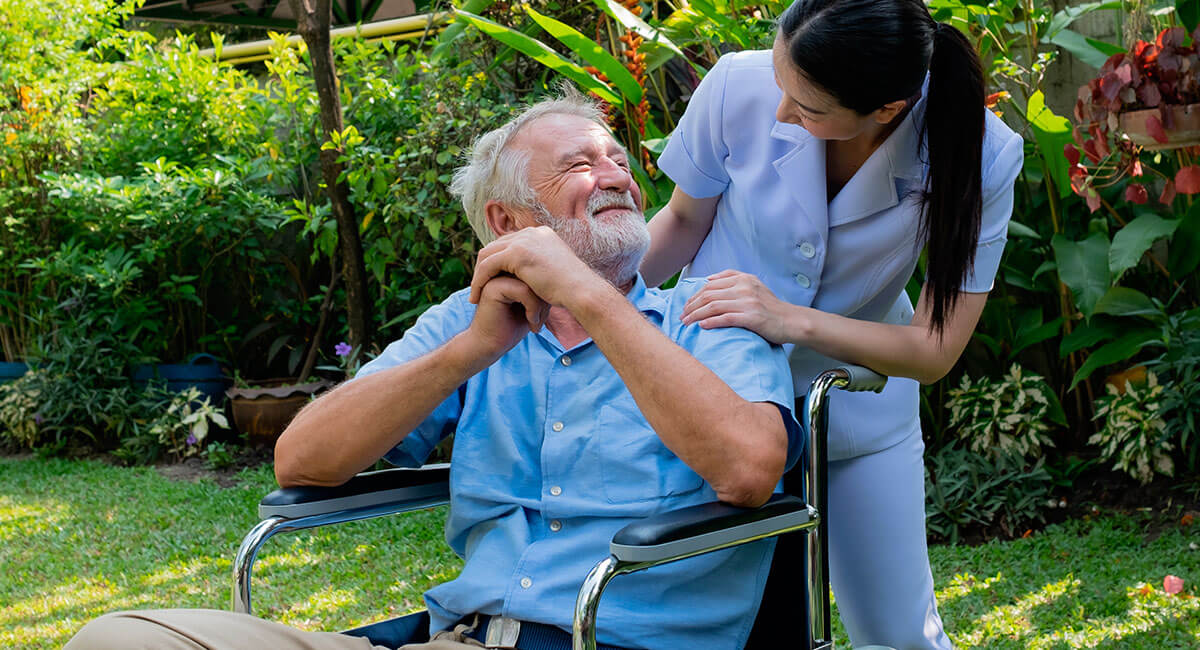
579	402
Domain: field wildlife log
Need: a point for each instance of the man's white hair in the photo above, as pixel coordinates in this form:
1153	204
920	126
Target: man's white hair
496	173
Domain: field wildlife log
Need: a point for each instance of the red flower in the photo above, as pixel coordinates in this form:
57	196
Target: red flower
1135	193
1154	127
1187	180
1168	193
1072	153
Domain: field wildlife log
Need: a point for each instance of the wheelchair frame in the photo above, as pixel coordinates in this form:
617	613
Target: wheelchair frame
661	539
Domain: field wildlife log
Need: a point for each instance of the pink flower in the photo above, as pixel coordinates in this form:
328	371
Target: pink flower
1172	584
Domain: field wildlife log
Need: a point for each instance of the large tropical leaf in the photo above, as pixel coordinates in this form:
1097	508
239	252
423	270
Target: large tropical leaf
1123	301
540	52
1185	245
1051	132
1115	352
1089	50
1083	267
1131	242
590	51
637	25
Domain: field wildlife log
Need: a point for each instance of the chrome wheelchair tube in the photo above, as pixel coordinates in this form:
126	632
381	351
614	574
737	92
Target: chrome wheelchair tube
815	421
271	526
244	562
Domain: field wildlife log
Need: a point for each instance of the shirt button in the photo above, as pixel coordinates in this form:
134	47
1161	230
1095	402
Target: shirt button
807	249
526	583
566	361
555	525
557	426
555	491
803	280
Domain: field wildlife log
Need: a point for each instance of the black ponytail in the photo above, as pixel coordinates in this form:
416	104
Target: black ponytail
867	53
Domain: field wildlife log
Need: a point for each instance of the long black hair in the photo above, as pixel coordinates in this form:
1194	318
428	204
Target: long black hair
867	53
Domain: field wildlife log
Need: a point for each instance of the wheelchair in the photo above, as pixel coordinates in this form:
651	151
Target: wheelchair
795	517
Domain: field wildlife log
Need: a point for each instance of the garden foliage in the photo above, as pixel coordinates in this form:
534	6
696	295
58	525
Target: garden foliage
158	203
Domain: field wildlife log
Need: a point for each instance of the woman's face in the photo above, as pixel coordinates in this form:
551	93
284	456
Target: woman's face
810	106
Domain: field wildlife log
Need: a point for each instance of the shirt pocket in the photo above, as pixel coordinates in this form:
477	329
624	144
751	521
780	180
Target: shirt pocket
635	466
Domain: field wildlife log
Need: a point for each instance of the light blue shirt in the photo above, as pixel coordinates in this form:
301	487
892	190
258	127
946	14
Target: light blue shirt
850	256
552	456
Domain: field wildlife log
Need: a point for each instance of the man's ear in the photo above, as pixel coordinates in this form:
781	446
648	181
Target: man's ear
500	219
890	110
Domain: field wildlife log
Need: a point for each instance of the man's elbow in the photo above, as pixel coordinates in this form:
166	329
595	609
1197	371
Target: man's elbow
748	495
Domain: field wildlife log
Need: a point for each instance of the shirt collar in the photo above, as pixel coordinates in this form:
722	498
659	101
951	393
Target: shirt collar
647	299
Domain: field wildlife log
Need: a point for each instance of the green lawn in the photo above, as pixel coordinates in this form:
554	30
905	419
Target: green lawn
79	538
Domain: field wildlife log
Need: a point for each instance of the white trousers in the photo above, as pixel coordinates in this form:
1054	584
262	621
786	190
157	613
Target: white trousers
878	559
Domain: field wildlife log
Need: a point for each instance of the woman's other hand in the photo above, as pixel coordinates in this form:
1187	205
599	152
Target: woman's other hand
736	299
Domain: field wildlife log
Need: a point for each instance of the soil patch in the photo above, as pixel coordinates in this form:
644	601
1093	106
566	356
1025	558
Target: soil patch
195	469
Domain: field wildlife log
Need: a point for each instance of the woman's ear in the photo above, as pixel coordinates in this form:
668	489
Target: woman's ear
888	112
500	219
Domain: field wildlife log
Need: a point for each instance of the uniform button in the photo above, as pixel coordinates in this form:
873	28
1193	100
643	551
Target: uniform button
555	525
803	280
555	491
526	583
566	361
557	426
807	249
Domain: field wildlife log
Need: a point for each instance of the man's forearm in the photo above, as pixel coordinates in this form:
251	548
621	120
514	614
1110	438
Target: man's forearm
354	425
739	447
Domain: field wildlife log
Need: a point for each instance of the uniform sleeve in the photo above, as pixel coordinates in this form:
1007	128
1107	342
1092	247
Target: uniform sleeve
997	188
696	151
755	369
433	329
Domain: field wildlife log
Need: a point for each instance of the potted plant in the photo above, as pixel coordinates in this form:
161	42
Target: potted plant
264	410
1146	99
202	371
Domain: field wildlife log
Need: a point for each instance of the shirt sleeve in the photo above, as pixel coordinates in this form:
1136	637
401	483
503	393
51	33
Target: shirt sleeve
755	369
433	329
696	151
997	189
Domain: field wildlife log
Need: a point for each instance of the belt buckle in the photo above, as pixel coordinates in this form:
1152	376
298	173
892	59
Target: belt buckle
502	632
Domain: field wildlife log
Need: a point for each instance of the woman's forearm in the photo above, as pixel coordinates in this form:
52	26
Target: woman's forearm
896	350
676	233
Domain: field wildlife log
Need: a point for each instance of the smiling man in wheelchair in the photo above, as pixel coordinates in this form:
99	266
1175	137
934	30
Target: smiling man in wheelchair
579	402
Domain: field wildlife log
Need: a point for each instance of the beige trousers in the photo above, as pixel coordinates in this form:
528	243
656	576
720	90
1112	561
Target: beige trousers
210	629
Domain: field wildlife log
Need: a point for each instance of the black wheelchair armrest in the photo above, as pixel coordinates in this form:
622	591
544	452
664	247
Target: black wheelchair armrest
707	527
366	490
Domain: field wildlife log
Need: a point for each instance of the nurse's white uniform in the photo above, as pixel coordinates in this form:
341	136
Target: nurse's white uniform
852	256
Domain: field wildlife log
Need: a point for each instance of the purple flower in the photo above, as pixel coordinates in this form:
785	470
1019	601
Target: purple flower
37	418
191	439
342	349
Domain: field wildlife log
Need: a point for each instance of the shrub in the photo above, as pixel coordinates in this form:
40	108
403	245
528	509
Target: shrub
966	489
1009	417
1134	430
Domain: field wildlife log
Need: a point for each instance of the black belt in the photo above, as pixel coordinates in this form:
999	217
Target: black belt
533	636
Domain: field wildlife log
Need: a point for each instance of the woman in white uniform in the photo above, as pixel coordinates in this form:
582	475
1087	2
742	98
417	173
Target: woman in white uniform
809	179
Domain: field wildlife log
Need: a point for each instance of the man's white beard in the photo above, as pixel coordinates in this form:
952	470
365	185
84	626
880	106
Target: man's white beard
614	247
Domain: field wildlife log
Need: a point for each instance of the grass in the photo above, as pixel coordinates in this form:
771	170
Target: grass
80	538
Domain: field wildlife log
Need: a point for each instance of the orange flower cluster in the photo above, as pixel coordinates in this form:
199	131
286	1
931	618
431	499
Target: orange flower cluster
635	61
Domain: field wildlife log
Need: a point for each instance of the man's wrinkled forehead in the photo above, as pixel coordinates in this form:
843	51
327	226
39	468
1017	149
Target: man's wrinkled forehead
559	129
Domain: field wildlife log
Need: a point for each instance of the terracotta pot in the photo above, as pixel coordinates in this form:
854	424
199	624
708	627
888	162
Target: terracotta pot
263	412
1185	130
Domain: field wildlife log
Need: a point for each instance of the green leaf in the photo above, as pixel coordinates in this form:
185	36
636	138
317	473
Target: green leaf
730	27
541	53
1064	18
1117	351
1035	335
638	26
1189	13
1051	132
1018	229
1085	49
445	40
1123	301
588	50
1131	242
1083	267
1185	245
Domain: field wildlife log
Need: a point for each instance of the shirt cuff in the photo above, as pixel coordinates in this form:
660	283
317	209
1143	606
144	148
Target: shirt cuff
982	277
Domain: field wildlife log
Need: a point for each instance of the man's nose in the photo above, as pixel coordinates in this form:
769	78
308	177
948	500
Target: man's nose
612	176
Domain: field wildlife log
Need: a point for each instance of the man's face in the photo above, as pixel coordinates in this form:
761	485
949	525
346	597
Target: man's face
582	179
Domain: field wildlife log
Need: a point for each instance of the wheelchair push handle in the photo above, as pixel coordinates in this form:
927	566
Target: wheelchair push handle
860	378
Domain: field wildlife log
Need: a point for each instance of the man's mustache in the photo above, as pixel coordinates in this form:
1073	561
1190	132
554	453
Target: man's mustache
605	199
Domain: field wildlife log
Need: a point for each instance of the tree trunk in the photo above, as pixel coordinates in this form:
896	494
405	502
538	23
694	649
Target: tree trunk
312	21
